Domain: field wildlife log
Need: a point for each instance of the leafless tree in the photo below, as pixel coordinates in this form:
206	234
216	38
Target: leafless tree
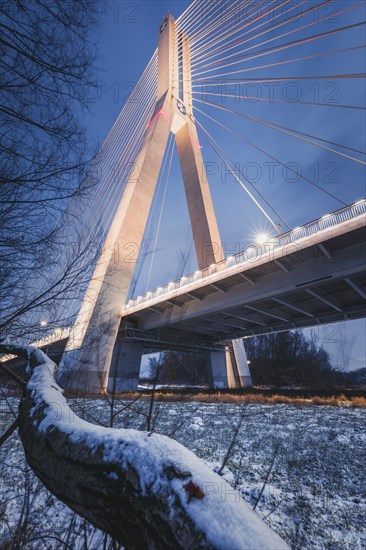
289	358
47	55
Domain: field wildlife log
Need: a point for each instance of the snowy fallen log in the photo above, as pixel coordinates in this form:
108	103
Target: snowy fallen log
145	490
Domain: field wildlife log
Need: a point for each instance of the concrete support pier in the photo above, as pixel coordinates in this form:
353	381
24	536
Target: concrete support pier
229	369
241	367
125	367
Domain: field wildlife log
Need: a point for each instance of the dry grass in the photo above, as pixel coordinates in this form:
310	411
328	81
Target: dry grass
255	398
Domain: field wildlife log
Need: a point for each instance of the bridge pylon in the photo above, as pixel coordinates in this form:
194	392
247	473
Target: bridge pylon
93	350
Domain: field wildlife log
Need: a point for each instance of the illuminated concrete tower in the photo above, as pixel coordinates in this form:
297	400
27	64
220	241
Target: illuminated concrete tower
94	354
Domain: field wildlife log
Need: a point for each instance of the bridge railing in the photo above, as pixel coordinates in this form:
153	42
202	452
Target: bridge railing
254	252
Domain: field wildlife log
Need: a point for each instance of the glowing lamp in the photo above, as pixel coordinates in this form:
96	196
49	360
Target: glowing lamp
262	238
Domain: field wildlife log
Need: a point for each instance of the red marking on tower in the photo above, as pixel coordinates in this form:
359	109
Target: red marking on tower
161	112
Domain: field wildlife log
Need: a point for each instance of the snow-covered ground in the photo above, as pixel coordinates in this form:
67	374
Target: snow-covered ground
314	495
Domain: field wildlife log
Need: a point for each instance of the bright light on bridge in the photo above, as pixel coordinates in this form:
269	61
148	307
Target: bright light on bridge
262	238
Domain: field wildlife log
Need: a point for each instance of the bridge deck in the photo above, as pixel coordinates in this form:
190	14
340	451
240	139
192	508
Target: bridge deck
313	275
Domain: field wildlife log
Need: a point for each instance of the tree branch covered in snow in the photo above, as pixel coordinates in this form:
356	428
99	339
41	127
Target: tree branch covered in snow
145	490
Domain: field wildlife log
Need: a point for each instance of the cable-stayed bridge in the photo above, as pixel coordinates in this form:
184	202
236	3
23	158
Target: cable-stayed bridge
203	83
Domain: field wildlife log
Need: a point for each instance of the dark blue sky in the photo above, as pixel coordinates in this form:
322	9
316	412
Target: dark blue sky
129	38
